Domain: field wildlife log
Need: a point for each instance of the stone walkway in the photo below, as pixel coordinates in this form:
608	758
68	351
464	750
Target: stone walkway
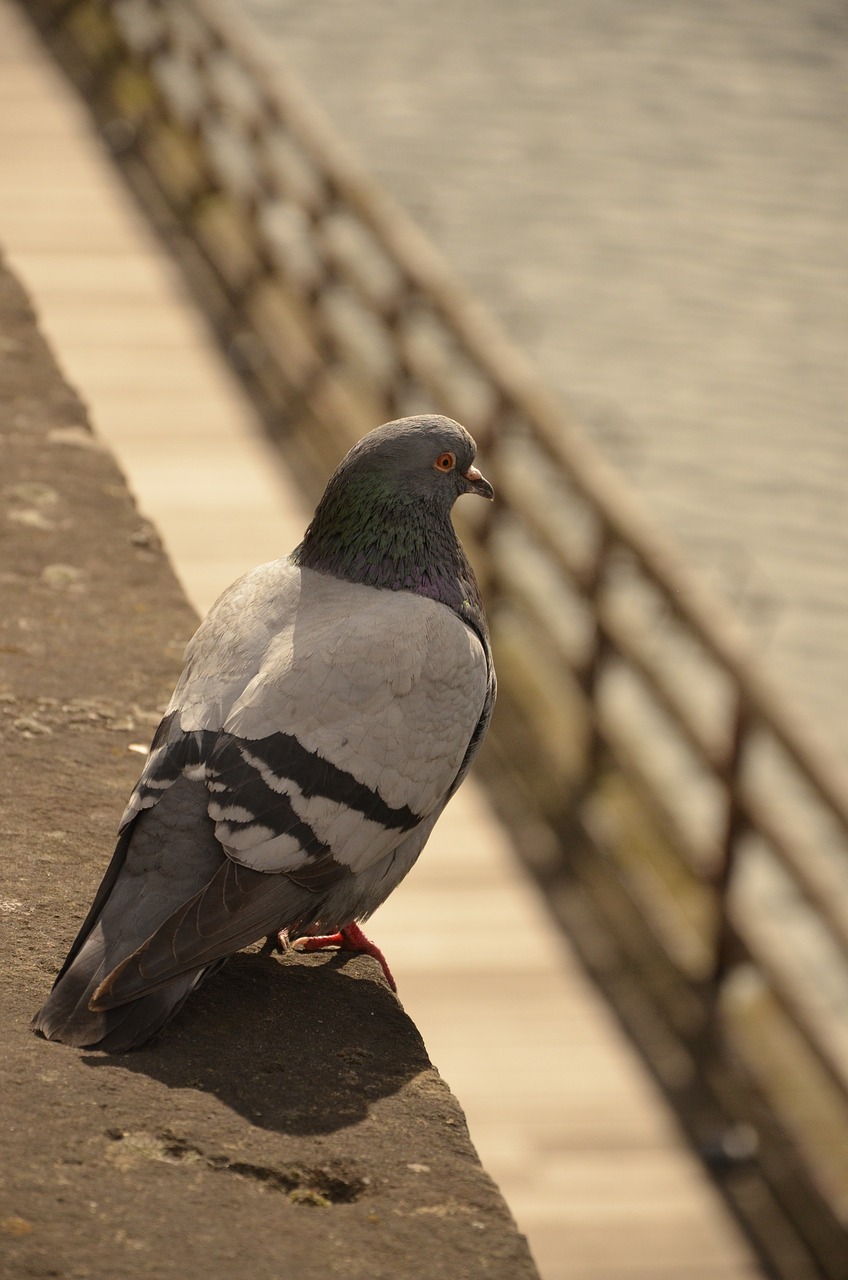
562	1112
653	200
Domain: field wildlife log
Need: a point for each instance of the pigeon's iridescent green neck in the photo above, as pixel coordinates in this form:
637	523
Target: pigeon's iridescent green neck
365	531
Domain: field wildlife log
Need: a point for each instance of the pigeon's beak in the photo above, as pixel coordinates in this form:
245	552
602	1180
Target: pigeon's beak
476	482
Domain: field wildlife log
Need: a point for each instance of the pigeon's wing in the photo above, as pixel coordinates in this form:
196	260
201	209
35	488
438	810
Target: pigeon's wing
224	655
107	884
481	728
348	738
235	908
351	734
165	853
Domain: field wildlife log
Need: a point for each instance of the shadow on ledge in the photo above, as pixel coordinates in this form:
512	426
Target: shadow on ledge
298	1045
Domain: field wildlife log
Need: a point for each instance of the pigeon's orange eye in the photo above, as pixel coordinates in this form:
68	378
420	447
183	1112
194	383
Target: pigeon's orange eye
445	462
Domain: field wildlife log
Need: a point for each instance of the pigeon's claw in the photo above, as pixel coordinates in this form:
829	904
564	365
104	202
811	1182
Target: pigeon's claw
277	942
350	938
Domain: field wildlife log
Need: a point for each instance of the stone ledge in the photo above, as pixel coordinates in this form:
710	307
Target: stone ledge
289	1119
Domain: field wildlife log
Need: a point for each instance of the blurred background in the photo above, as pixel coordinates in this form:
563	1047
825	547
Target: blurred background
652	198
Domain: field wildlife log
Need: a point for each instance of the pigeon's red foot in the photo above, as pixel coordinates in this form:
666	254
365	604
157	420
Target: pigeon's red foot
351	938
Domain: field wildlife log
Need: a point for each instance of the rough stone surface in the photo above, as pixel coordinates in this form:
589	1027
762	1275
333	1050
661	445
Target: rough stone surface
289	1120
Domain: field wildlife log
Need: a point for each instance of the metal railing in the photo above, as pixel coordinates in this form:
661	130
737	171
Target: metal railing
688	828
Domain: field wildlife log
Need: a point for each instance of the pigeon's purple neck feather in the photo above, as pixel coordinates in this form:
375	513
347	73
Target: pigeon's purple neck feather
365	531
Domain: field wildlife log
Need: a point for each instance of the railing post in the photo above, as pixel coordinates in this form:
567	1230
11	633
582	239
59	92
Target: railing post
489	436
735	824
589	675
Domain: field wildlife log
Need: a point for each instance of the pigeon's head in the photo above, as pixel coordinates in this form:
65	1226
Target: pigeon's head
426	459
384	519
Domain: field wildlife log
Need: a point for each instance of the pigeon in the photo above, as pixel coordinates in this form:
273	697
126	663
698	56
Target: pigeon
330	705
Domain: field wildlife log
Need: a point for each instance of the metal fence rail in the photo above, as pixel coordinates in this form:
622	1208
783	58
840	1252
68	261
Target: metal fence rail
689	830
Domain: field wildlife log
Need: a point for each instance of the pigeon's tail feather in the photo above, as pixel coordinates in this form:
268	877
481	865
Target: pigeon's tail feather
66	1016
114	1030
132	902
236	907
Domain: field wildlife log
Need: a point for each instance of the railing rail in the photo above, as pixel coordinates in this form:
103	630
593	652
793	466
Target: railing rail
689	828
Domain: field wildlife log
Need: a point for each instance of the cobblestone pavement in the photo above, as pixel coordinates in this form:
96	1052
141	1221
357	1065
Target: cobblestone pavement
653	199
